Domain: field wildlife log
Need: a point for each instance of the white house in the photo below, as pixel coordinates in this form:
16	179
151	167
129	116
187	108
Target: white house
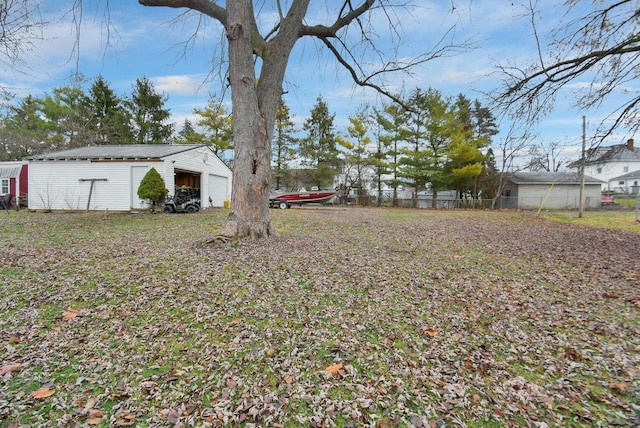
607	163
108	177
626	183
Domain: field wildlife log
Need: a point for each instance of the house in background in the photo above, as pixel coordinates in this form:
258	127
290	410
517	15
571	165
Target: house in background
14	180
549	190
607	163
108	177
628	183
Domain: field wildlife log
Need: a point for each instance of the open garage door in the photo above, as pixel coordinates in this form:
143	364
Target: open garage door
187	178
217	190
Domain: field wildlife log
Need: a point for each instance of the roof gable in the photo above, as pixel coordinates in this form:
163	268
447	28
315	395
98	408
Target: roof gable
118	152
617	153
627	176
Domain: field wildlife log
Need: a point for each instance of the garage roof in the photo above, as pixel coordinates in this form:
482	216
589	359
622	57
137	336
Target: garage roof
124	152
545	177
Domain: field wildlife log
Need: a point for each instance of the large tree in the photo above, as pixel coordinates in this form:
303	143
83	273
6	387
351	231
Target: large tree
255	99
318	148
148	112
594	49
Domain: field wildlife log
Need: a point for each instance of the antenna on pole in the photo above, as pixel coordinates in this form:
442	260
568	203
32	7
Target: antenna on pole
582	162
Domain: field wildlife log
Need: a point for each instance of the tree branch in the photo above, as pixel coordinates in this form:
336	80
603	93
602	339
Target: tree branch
341	22
206	7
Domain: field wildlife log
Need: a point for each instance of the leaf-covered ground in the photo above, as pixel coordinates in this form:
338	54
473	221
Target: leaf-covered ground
351	318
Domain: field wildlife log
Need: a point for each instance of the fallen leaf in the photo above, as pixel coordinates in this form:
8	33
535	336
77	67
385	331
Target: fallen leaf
173	417
14	340
96	413
94	421
70	314
431	332
620	387
334	368
91	401
9	368
43	393
288	379
271	351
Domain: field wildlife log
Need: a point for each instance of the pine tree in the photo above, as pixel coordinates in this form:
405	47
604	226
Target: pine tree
318	149
283	146
111	122
146	108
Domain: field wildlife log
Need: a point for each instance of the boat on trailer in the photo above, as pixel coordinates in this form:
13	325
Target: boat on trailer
302	196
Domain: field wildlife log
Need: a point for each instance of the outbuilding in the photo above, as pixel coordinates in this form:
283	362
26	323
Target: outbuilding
108	177
14	182
549	190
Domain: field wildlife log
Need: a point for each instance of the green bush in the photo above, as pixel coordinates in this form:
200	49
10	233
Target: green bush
152	188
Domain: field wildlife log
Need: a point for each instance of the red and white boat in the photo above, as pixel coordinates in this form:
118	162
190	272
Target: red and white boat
302	196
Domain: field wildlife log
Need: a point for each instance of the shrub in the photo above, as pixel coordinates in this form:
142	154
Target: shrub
152	188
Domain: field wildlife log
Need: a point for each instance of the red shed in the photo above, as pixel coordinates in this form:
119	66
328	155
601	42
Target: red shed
14	179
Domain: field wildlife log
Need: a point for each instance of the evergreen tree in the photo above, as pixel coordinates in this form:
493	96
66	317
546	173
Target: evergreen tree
283	146
152	187
24	130
147	111
318	149
423	159
67	111
392	120
111	122
189	135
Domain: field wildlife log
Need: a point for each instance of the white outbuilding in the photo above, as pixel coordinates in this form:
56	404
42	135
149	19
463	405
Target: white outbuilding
108	177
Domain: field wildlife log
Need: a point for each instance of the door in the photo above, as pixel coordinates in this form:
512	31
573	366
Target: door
217	191
137	174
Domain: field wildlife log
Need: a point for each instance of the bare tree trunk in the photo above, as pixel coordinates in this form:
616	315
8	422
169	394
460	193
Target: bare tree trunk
249	214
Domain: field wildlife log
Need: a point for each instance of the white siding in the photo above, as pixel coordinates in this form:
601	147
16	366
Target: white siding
607	171
208	165
56	185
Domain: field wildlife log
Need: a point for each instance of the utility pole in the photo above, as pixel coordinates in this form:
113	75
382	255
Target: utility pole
584	137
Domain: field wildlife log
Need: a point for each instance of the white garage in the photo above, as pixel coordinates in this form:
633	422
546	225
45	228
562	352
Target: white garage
108	177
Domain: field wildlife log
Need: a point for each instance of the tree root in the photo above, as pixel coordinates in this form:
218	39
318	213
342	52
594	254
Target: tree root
215	241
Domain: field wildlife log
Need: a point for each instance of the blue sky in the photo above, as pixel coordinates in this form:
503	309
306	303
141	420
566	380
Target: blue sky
147	42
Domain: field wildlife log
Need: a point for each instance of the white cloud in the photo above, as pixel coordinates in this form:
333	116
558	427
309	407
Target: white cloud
179	85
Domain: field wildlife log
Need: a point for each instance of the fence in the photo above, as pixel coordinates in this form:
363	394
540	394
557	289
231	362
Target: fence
621	203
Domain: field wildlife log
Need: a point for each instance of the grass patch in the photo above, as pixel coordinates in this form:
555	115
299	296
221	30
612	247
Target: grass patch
625	221
438	317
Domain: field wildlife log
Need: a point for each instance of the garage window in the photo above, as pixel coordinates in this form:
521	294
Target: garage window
4	185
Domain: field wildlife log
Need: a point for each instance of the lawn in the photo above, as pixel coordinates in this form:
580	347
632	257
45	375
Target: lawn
616	220
350	318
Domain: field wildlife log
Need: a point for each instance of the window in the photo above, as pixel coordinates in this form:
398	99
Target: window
620	183
599	170
4	185
625	169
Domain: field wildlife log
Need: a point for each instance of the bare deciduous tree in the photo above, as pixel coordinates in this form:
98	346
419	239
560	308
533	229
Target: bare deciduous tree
255	98
20	22
597	48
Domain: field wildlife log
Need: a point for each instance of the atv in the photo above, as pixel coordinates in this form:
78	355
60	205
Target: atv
186	200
